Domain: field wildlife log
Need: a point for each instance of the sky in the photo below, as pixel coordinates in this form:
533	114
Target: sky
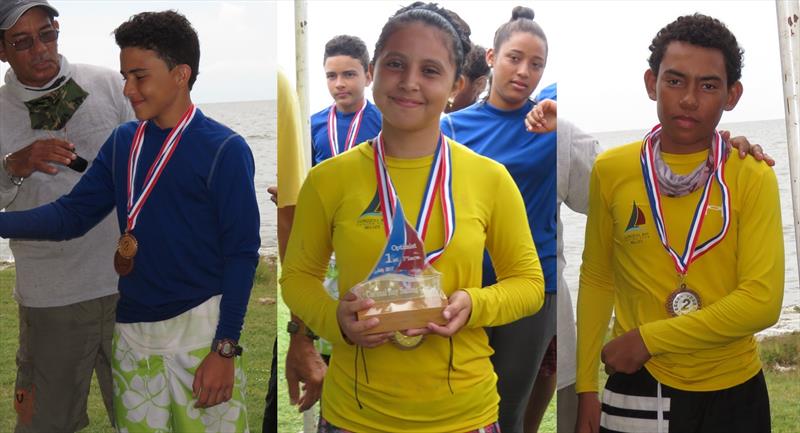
603	85
329	19
598	50
237	42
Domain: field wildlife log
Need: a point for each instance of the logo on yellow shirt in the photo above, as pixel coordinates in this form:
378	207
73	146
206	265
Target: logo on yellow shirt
636	231
371	218
636	219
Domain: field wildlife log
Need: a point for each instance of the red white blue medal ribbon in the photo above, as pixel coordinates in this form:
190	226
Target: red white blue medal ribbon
352	131
160	162
439	182
692	251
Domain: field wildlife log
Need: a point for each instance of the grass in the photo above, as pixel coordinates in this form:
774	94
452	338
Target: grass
291	421
257	340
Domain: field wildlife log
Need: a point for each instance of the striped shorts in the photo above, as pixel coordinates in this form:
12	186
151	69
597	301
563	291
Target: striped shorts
638	403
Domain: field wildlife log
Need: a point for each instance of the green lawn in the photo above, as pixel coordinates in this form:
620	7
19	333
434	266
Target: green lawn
257	340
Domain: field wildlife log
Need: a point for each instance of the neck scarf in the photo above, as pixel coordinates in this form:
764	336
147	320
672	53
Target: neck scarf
677	185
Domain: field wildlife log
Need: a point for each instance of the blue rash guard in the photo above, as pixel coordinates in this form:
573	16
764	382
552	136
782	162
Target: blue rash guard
320	145
198	232
531	160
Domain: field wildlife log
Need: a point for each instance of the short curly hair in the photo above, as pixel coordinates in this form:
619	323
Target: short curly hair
346	45
168	33
702	31
475	65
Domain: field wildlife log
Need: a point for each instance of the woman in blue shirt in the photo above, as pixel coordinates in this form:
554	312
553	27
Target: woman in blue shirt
495	128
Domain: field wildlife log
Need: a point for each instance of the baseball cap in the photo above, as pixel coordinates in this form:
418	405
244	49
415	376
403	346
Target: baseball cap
11	10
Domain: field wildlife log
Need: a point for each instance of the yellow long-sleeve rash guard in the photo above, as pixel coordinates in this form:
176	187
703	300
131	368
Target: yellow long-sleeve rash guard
625	267
408	390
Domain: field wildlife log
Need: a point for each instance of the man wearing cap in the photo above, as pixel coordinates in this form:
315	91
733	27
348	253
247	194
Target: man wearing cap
54	114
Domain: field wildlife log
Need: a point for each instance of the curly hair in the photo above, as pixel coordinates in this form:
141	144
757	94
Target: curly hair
168	33
702	31
431	14
346	45
475	65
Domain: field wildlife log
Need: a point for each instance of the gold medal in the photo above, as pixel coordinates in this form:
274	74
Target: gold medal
404	342
122	265
127	246
682	301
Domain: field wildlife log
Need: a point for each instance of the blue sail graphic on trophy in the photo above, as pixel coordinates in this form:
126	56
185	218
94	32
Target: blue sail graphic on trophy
404	252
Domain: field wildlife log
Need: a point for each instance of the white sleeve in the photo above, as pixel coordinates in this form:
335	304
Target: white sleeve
583	149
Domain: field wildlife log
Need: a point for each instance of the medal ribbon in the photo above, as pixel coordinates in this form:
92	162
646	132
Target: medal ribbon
352	131
160	162
440	182
692	251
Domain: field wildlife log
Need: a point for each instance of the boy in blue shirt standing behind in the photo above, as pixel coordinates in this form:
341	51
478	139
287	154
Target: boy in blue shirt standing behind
351	119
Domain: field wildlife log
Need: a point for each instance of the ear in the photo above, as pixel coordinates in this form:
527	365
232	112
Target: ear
369	75
182	74
734	93
458	85
650	80
371	72
3	56
490	57
56	25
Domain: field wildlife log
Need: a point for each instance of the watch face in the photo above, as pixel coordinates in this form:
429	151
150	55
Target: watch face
227	348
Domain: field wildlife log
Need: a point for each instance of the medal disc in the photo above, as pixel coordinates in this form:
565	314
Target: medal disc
122	265
127	246
682	301
405	342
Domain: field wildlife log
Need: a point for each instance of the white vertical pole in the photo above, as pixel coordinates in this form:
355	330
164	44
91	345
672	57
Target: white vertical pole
301	80
301	72
789	36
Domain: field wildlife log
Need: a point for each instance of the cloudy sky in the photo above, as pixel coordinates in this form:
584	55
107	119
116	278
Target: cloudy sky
598	50
237	41
328	19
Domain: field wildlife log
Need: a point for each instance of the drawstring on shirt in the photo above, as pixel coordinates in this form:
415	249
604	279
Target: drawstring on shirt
366	373
450	366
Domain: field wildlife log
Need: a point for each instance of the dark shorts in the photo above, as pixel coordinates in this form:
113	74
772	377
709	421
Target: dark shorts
637	402
550	360
59	349
519	348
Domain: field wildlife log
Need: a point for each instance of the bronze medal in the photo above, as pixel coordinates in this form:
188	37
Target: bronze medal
122	265
404	342
127	246
682	301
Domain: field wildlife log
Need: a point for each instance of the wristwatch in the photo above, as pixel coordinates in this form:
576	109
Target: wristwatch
295	328
226	348
16	180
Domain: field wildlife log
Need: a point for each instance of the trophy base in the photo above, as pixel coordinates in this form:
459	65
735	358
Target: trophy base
408	314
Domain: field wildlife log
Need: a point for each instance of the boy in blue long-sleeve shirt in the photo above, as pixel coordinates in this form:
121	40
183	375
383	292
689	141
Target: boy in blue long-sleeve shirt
182	185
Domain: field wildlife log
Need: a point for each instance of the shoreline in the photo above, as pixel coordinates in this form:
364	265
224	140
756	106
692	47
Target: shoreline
788	322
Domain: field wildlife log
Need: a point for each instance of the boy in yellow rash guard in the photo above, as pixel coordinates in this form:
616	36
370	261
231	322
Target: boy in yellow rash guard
408	390
701	369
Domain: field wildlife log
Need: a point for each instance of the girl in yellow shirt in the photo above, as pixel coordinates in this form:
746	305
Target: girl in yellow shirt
446	384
